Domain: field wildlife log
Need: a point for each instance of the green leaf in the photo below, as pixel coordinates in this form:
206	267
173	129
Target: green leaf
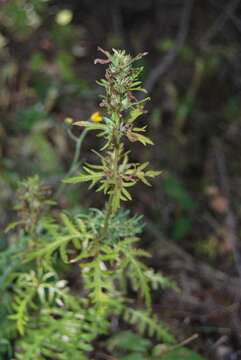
181	228
37	61
153	173
30	116
146	322
84	178
90	125
127	340
47	158
177	192
69	225
126	194
158	280
134	114
143	139
65	61
134	356
182	354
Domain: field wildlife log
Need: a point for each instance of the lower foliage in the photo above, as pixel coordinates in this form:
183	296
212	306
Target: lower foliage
52	320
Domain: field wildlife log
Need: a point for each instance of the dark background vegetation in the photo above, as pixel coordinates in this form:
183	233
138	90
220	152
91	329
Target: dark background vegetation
193	75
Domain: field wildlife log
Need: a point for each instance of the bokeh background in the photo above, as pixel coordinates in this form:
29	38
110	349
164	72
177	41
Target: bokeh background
193	75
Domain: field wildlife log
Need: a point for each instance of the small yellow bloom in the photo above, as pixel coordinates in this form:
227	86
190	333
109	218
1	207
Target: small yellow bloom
96	117
64	17
68	121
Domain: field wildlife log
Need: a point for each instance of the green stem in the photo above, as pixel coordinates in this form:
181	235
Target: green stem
109	205
79	141
107	218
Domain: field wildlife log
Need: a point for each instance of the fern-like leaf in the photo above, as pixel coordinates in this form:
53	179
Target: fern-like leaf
147	323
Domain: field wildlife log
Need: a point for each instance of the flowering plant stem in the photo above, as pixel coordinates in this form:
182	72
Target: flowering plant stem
51	319
115	142
75	162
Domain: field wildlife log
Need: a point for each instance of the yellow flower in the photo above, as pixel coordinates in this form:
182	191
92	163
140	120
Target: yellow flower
64	17
96	117
68	121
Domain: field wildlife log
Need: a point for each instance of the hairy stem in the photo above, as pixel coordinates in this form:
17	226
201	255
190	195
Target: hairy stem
109	206
108	215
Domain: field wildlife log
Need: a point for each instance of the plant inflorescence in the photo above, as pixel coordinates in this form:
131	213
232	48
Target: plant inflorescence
49	319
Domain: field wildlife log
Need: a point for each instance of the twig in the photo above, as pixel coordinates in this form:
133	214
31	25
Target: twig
167	61
236	22
232	229
188	340
218	279
220	22
181	344
230	218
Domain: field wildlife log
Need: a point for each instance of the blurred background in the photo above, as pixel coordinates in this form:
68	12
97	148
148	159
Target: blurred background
193	75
